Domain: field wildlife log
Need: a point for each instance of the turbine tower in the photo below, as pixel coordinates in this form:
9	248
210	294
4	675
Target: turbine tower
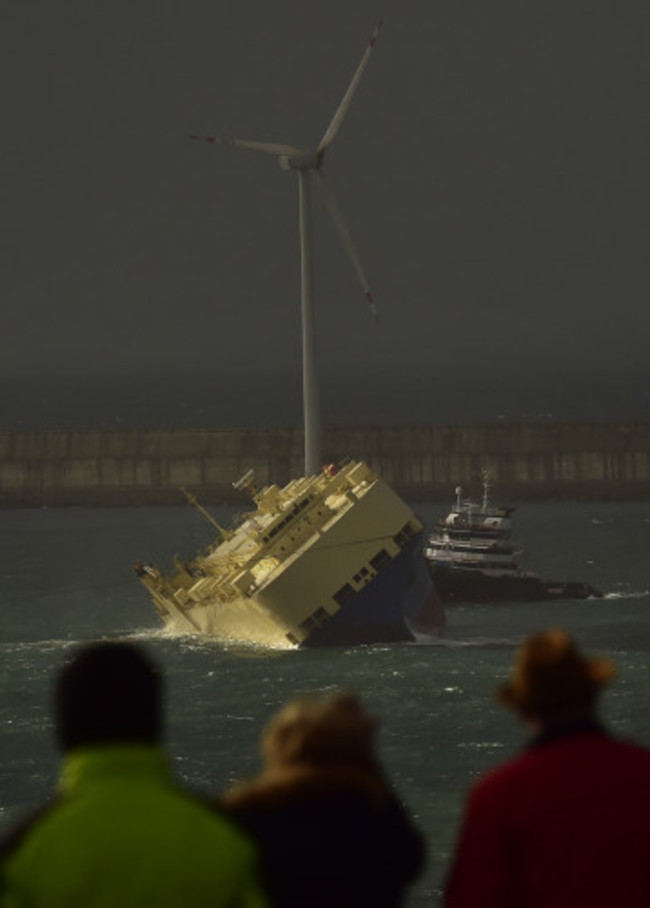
303	163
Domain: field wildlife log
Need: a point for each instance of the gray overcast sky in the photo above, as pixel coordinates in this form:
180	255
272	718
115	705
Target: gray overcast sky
493	170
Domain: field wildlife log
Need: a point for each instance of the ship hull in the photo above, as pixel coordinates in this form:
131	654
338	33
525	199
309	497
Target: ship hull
400	605
456	585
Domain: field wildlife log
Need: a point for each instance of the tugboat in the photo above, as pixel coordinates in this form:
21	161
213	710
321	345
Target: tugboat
473	560
334	559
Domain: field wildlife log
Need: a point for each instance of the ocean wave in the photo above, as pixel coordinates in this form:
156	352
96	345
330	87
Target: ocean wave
635	594
17	647
479	642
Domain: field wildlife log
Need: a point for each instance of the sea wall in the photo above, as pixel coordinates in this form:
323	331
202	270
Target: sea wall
527	460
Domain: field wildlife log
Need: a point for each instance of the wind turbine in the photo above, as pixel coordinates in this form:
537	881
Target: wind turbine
304	162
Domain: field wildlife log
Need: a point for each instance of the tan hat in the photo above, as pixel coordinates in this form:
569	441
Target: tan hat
550	674
329	729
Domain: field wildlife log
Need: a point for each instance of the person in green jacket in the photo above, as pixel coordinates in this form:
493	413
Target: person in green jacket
121	833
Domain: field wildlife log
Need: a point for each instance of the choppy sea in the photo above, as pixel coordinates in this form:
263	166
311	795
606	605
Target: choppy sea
67	576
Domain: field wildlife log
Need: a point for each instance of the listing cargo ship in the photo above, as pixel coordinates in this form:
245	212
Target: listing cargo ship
473	559
332	559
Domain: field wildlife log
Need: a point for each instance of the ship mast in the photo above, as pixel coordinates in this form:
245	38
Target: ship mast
485	478
226	534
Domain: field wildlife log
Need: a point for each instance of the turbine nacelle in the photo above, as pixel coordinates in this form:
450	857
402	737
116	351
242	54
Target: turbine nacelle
302	160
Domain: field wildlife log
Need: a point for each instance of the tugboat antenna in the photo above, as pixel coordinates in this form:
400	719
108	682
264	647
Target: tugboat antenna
485	476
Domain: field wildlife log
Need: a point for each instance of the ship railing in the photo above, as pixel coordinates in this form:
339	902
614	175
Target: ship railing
471	557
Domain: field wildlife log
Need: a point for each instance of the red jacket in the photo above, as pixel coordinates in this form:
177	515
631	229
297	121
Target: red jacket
567	823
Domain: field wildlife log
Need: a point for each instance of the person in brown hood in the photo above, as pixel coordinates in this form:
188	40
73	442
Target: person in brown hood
330	829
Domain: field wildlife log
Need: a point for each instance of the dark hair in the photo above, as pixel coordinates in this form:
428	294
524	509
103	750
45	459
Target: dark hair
108	692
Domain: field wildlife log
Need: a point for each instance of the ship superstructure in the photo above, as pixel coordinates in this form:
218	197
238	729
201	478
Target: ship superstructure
336	558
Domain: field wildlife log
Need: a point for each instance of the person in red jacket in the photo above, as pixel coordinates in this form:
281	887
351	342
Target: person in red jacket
567	822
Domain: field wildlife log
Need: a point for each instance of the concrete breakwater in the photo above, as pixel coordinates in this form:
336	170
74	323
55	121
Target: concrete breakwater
526	460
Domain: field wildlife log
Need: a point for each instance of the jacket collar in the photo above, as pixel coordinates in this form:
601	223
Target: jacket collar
561	730
85	765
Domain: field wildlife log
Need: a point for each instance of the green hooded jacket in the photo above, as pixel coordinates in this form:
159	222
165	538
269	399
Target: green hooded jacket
123	835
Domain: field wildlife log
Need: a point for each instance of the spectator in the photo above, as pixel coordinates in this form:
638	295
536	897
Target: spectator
566	823
121	833
331	831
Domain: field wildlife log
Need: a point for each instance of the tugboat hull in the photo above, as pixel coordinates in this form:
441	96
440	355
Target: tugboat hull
455	585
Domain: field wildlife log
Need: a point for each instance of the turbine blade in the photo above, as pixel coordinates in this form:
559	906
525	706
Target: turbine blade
268	147
337	119
348	243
